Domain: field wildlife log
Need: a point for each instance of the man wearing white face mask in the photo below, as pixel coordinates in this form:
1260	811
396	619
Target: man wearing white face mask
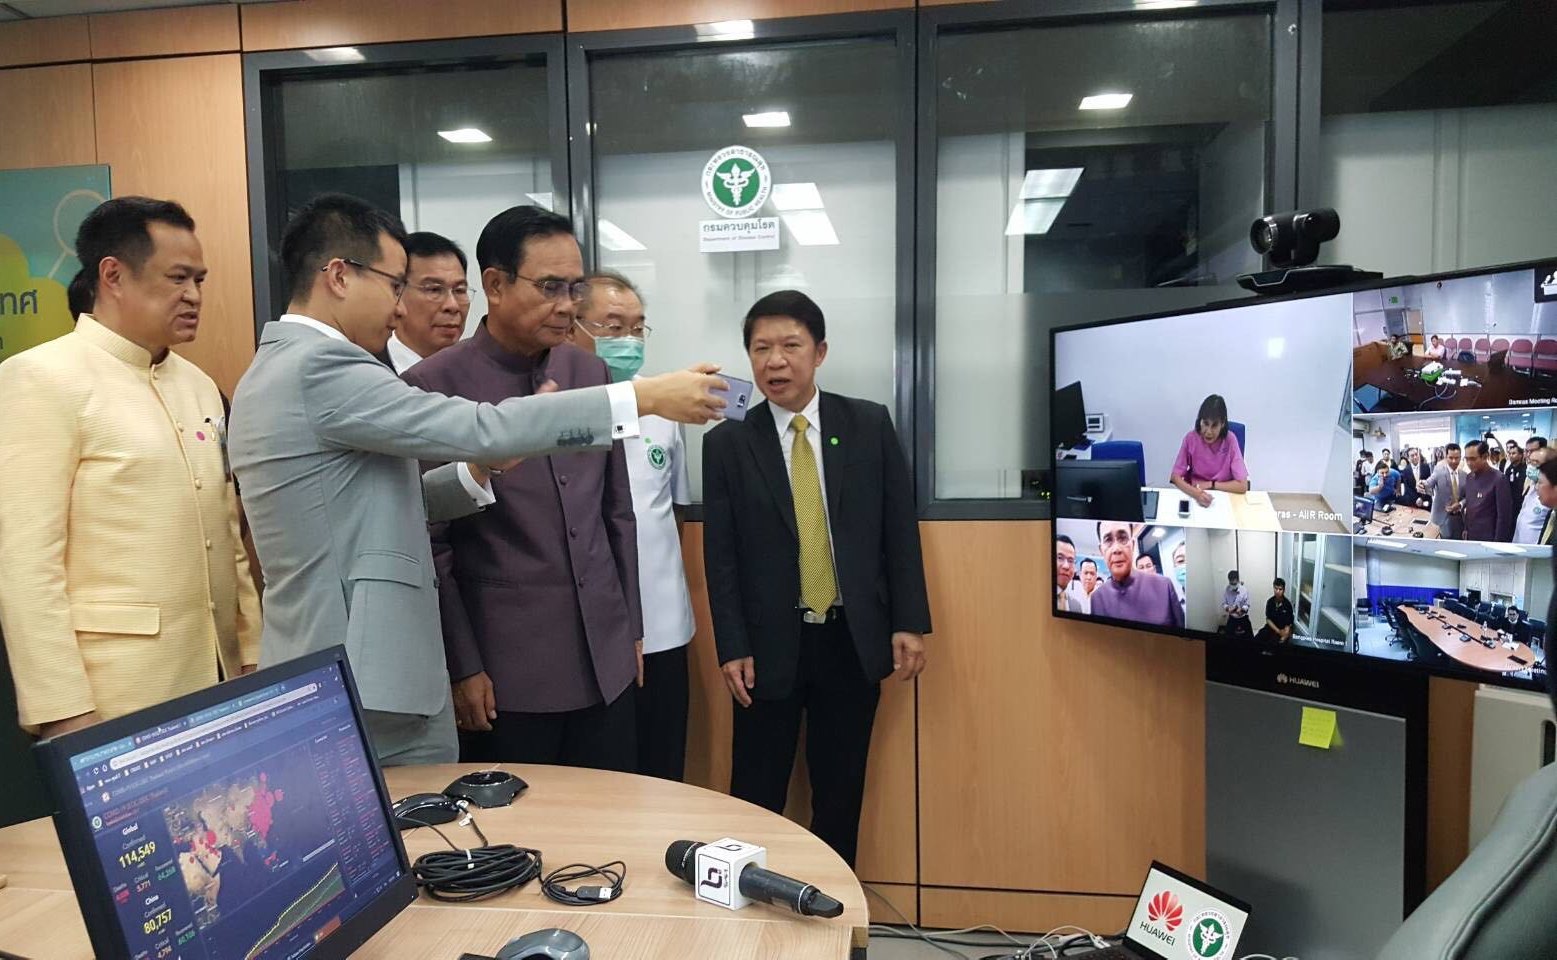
1531	523
610	324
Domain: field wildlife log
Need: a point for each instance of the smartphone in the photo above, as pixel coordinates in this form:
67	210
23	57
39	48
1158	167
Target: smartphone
1184	507
737	399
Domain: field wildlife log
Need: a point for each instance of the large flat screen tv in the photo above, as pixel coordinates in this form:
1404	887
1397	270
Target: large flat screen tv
1351	472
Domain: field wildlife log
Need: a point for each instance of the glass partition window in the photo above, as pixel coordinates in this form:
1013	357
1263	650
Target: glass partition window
824	117
1438	134
1083	172
446	148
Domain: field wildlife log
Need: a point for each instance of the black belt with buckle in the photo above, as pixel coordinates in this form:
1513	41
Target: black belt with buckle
833	613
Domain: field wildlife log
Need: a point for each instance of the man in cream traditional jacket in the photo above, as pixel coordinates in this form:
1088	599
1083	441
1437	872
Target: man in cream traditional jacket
123	577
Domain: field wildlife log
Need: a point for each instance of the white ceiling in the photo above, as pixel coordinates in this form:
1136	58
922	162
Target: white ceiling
28	9
1472	550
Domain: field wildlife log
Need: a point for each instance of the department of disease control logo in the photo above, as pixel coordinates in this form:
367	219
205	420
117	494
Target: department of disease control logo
657	456
1165	909
1208	938
736	182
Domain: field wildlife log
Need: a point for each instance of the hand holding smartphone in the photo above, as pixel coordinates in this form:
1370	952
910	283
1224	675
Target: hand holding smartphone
737	399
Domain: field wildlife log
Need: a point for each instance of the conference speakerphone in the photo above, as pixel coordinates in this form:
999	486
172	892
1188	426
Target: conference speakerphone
248	821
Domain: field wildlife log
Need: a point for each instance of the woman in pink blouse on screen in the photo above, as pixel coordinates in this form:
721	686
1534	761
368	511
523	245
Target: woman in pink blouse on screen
1209	458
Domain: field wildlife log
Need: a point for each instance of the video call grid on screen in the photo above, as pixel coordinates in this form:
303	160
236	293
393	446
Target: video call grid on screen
1367	569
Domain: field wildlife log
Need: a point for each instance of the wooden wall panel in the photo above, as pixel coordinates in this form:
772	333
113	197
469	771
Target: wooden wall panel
195	156
584	15
47	113
892	902
45	40
330	23
1035	913
888	821
1451	710
159	33
1027	723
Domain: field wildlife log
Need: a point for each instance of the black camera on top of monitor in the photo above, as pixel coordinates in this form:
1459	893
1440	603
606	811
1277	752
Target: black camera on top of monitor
1293	239
1291	242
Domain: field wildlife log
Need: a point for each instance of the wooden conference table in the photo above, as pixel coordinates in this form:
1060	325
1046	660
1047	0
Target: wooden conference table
1499	385
571	816
1440	626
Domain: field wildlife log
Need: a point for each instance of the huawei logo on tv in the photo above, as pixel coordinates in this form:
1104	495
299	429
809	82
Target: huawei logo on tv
1285	678
1165	909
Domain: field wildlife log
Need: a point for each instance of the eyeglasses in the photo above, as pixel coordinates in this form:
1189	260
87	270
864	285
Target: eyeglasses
639	330
396	284
577	290
436	292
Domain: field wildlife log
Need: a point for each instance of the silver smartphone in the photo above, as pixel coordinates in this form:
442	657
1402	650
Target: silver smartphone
737	399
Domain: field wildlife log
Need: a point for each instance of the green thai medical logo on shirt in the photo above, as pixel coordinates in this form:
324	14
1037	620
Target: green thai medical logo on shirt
736	182
1208	935
657	456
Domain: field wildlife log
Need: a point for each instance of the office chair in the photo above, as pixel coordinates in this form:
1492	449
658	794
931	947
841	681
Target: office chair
1497	905
1500	345
1538	636
1483	350
1237	429
1499	613
1364	610
1545	357
1122	450
1521	355
1483	608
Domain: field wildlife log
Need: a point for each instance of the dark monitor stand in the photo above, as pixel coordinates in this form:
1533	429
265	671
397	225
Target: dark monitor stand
1337	836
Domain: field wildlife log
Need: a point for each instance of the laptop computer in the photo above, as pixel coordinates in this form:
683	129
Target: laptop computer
248	821
1178	918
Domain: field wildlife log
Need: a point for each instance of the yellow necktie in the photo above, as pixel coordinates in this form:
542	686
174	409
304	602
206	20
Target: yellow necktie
818	586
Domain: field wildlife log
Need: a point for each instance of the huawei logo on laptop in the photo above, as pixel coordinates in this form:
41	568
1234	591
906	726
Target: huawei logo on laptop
1165	909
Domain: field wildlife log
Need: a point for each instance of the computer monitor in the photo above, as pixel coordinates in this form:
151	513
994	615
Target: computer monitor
1259	412
1098	490
1069	416
248	821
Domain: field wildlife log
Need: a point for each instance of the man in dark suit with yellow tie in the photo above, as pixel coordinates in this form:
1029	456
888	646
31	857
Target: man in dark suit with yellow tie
815	576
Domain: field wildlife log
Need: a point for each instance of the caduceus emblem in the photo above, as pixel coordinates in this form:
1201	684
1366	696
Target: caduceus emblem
735	181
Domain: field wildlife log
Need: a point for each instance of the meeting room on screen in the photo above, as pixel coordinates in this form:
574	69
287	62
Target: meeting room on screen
1283	370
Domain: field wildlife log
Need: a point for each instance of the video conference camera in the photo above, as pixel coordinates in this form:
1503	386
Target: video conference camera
1291	242
1293	239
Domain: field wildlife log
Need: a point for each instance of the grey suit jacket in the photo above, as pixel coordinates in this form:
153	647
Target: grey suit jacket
324	440
1438	488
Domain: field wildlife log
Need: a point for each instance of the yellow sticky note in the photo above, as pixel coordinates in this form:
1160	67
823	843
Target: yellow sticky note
1318	728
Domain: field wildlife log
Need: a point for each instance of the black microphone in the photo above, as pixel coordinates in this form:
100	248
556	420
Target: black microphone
758	884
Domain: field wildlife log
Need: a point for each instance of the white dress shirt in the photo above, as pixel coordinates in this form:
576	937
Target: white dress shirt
813	414
1532	517
402	357
657	473
480	494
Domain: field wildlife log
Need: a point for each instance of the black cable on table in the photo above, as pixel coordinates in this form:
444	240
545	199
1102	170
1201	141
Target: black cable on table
554	884
460	876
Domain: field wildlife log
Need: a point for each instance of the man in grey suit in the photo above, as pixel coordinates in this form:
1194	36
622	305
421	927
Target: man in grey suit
325	439
1446	490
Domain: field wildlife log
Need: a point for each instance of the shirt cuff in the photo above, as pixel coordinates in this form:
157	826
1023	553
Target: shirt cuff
480	493
624	410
